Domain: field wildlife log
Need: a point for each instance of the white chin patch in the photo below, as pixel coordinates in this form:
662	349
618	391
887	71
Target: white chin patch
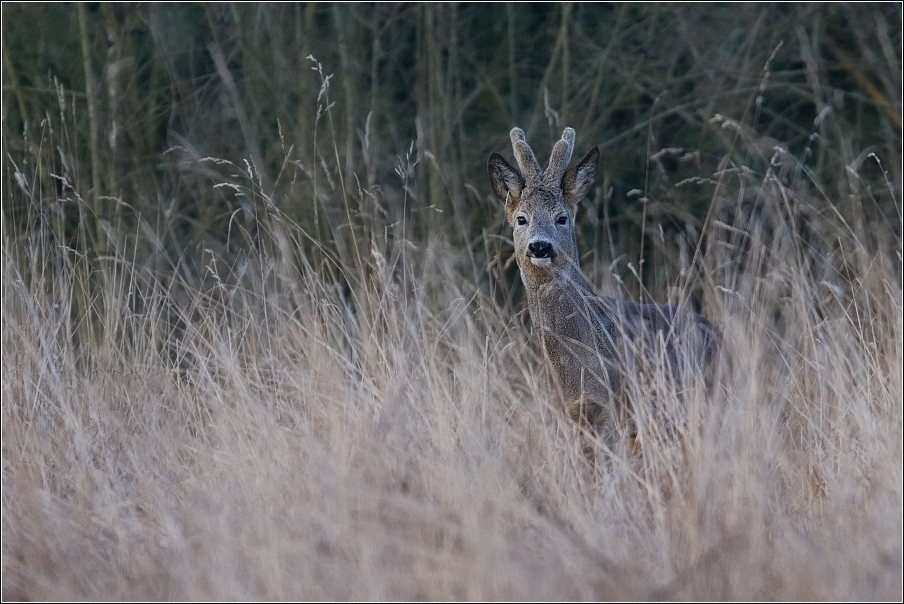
543	262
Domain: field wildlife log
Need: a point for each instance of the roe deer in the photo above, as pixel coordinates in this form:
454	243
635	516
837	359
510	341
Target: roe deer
593	342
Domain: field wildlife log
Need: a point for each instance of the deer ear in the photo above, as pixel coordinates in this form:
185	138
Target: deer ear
577	180
507	183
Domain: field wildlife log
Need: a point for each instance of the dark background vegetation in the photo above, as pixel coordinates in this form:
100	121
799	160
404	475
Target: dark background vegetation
121	110
261	338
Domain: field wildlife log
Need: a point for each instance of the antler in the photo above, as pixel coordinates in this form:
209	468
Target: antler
530	169
558	161
561	155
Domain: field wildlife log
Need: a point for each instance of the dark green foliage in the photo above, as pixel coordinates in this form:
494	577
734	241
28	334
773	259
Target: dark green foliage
428	91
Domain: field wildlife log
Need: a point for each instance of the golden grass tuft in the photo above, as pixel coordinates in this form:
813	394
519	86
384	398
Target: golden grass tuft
268	433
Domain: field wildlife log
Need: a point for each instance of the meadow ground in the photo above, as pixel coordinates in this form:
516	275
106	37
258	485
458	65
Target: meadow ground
276	435
288	374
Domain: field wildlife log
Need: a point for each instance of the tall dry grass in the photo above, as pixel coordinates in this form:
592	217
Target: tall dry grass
366	421
262	338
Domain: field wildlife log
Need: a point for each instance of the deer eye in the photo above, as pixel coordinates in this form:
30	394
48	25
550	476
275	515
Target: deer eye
521	220
562	220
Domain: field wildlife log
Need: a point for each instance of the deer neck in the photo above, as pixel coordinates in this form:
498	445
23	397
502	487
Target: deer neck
560	283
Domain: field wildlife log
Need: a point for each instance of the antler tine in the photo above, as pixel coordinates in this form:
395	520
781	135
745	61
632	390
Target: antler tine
561	155
517	134
530	168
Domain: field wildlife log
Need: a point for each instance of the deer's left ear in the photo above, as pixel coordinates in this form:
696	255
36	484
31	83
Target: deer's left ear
577	180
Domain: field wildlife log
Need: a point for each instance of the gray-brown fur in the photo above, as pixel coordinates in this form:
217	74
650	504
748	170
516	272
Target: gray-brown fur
592	341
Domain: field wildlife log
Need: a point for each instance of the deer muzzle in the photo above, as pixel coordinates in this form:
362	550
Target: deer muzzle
541	253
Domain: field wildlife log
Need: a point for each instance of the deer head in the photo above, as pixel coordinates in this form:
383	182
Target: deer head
541	204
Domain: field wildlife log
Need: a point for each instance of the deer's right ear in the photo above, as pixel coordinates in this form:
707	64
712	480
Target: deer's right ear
507	183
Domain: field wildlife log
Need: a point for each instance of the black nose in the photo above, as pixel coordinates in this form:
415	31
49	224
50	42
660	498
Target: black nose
540	249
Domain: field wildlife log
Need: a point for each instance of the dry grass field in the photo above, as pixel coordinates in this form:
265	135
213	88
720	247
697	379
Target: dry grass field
294	372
